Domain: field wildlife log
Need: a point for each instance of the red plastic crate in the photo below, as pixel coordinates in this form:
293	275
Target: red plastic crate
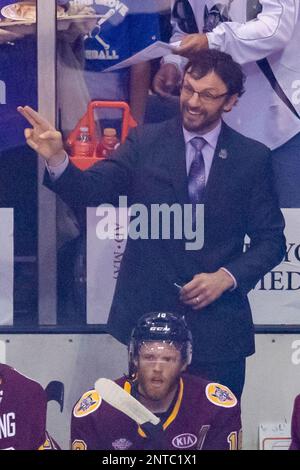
88	120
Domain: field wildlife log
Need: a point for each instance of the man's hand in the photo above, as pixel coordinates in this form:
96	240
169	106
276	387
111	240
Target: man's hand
167	80
42	137
191	45
205	288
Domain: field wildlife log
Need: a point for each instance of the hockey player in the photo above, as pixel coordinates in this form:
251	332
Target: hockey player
295	444
194	414
23	406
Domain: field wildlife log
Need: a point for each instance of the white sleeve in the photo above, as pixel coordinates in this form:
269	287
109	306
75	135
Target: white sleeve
56	171
177	35
256	39
232	277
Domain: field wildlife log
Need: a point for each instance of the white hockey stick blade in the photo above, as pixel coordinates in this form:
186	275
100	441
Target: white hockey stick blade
117	397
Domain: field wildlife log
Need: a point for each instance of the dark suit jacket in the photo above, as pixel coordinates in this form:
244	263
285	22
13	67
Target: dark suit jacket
239	199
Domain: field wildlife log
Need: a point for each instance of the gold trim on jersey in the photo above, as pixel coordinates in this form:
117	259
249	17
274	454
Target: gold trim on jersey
46	445
174	412
49	444
176	408
127	387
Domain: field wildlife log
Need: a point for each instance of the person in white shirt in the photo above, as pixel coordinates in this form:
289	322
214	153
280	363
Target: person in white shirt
264	37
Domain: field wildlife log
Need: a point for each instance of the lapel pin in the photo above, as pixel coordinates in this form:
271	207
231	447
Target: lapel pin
223	154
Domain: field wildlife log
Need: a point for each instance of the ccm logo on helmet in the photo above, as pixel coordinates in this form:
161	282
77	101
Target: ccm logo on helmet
184	441
159	328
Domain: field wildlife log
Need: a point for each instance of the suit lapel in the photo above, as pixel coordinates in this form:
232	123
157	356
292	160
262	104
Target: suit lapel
221	161
174	152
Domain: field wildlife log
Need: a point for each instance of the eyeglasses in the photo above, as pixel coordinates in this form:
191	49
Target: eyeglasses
204	96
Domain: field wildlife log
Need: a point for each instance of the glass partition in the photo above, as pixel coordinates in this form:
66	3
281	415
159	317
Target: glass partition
18	167
57	273
55	63
97	108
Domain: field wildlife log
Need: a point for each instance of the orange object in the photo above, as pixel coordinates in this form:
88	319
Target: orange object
84	153
83	146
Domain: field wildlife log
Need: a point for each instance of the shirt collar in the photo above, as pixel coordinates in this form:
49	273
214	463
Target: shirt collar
211	137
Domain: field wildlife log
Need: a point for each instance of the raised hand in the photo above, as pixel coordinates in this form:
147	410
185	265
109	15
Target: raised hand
43	137
166	80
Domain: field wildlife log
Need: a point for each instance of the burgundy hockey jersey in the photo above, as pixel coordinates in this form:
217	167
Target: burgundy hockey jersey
23	407
203	416
295	445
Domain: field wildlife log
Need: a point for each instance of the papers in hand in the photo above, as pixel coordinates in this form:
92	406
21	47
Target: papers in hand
155	50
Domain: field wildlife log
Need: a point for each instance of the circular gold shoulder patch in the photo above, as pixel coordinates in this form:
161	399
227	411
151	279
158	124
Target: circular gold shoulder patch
220	395
88	403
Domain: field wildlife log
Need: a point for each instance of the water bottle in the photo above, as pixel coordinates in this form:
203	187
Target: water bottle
83	146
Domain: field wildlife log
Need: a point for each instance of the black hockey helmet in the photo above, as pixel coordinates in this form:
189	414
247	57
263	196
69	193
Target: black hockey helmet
161	326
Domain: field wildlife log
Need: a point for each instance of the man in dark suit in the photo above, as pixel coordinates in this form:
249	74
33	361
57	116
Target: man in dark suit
164	164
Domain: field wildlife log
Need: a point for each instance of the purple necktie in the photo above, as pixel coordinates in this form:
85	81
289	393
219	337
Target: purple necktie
196	177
